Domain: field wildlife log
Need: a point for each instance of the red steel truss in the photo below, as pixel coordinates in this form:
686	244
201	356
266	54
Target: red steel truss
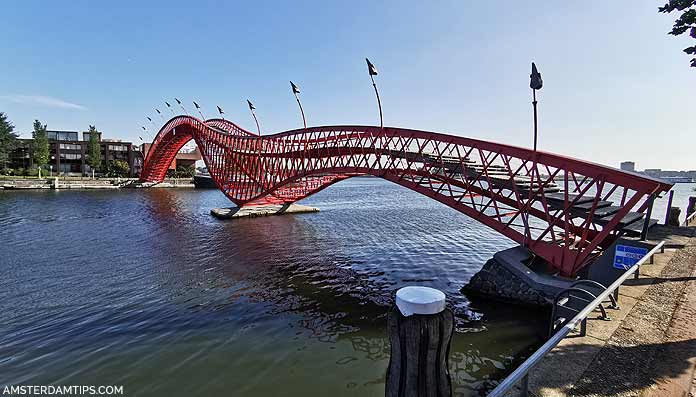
563	209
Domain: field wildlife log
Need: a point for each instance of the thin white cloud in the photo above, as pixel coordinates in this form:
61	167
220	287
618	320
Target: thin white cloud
42	100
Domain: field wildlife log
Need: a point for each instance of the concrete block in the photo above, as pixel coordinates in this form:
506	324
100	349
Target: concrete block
260	210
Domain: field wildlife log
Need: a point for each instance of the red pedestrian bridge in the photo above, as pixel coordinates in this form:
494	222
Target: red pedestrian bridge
562	209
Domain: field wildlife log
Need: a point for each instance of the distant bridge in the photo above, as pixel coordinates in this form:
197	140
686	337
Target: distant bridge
562	209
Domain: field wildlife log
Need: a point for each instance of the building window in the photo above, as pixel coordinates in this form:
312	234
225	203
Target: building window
86	136
118	148
69	146
70	168
62	135
71	156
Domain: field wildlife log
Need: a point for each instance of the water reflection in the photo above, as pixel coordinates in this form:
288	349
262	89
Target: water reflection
163	298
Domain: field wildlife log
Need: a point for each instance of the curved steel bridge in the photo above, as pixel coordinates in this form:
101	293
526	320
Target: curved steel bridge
562	209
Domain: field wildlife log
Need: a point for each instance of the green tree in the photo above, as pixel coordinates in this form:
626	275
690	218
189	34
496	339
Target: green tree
119	168
40	150
94	149
8	140
185	172
686	22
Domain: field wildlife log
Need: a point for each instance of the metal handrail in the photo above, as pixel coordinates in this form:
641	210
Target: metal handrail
522	372
612	298
689	218
568	293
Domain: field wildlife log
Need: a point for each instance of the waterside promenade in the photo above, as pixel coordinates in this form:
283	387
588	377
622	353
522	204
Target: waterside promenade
647	349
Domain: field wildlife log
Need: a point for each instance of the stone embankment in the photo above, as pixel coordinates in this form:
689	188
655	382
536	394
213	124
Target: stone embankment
494	281
86	183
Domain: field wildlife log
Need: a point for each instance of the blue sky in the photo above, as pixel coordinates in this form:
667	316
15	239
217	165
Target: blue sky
617	87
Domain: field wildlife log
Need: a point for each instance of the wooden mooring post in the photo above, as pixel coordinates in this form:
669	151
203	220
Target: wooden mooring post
690	209
420	330
673	216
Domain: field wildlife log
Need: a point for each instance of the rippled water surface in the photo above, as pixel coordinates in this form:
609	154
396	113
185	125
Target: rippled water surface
143	288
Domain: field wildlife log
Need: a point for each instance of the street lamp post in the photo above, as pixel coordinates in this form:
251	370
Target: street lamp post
182	105
251	108
372	70
198	108
53	158
535	84
295	91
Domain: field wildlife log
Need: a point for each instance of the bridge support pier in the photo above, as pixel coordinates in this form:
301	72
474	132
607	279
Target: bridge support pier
505	277
254	211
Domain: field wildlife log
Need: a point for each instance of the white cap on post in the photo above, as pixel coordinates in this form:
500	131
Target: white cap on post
420	300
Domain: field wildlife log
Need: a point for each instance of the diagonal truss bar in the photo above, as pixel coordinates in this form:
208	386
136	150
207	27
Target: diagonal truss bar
494	183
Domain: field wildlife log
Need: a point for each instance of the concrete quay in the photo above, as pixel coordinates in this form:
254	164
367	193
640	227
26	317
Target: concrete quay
87	183
649	346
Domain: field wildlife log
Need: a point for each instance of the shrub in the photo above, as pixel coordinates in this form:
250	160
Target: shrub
182	172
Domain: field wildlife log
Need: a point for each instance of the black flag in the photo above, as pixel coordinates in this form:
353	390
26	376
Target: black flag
149	119
251	105
295	89
371	68
141	138
196	105
177	101
220	110
157	110
536	83
168	105
144	129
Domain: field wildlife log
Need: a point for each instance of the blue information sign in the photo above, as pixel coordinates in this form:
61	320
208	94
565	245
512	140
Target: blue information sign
627	256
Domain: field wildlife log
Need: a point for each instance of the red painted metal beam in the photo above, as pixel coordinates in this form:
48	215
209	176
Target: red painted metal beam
499	185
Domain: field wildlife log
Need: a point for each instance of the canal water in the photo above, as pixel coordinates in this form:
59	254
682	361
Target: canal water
143	288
